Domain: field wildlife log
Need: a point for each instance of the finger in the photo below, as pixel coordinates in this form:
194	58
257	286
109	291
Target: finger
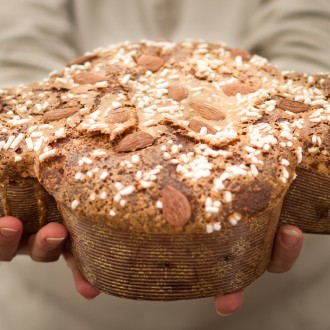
84	288
11	230
47	244
288	244
229	303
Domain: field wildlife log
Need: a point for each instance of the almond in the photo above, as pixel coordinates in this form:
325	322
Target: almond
150	62
88	78
288	105
176	207
208	111
196	126
82	59
240	52
118	116
233	89
177	93
135	141
58	114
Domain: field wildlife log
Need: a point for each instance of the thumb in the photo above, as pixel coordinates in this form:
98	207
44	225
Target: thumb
287	247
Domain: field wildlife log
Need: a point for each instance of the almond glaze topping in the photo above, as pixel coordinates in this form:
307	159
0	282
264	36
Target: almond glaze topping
240	52
118	116
135	141
150	62
208	111
288	105
196	126
177	93
233	89
88	78
58	114
176	207
168	123
82	59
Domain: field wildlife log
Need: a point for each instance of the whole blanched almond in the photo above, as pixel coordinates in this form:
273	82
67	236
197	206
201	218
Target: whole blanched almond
88	78
82	59
208	111
196	126
176	207
118	116
177	93
58	114
233	89
293	106
151	62
135	141
240	52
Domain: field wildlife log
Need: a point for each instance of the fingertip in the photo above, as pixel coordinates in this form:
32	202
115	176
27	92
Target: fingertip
47	244
52	236
288	244
9	233
10	222
54	231
83	287
290	227
87	290
229	303
11	230
291	236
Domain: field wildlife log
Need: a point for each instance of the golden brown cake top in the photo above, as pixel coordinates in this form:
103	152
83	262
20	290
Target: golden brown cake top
166	137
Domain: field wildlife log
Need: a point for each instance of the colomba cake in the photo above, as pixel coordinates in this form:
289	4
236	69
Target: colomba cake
171	164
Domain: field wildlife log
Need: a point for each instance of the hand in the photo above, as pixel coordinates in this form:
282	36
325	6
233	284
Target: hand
46	245
287	246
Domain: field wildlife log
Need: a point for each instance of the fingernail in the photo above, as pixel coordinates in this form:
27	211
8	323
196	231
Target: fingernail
222	314
55	240
8	232
289	237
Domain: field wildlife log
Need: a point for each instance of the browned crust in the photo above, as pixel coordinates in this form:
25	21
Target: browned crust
89	150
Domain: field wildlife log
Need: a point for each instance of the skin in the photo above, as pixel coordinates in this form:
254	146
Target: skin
48	244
